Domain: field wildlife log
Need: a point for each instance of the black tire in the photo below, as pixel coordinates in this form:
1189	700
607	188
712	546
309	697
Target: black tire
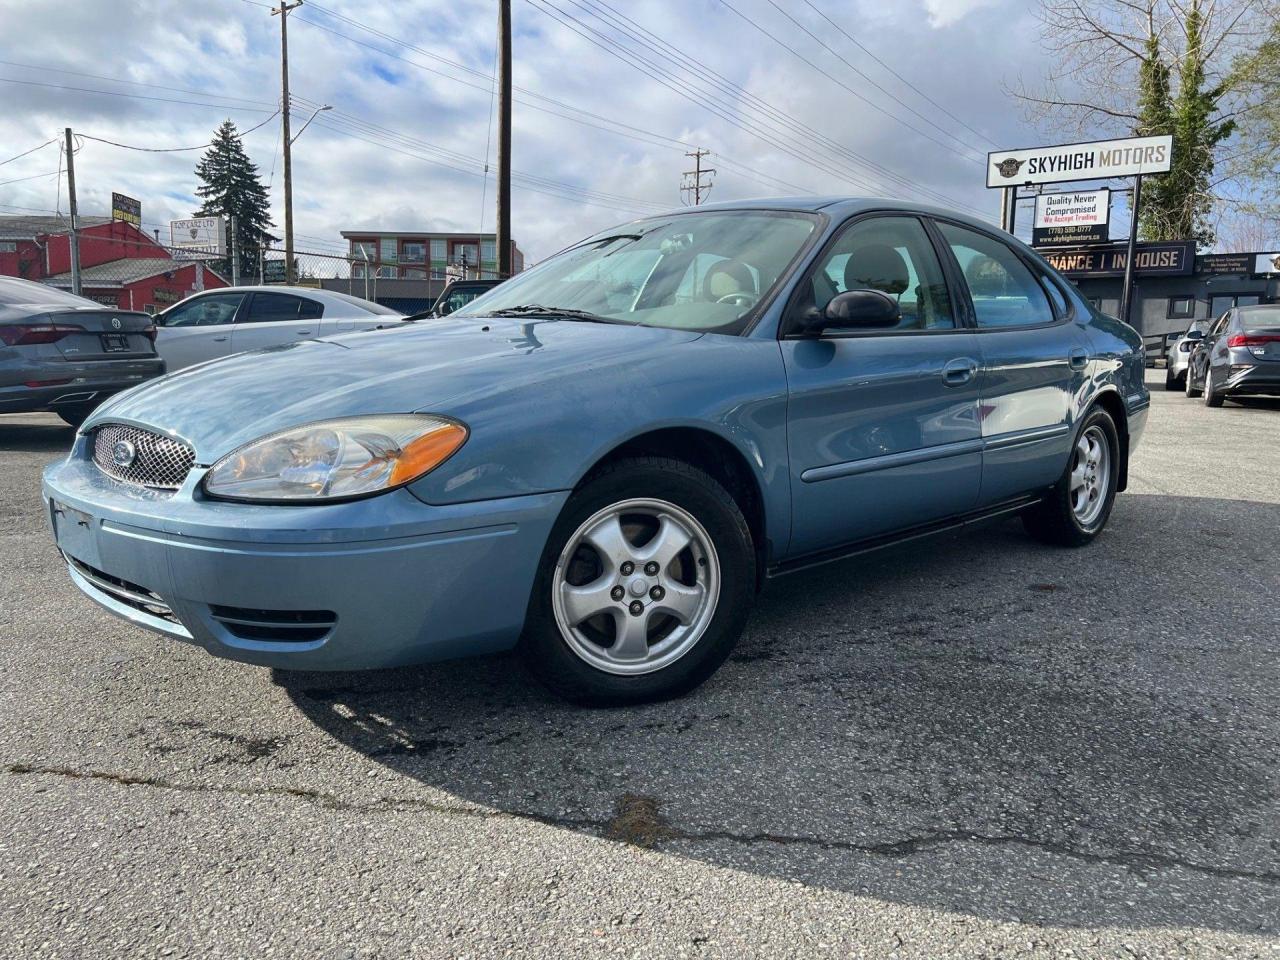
544	647
1212	397
1192	390
1053	520
1172	382
75	416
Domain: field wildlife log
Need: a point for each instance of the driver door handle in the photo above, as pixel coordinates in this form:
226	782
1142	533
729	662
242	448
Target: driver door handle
221	339
959	371
1078	358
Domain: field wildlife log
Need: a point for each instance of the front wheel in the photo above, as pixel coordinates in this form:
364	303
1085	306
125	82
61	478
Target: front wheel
644	586
1079	504
1192	390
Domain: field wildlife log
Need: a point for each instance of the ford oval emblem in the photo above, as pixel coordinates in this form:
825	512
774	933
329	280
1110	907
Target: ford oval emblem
115	323
123	454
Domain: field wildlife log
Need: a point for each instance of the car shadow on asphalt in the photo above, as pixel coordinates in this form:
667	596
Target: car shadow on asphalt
983	725
32	435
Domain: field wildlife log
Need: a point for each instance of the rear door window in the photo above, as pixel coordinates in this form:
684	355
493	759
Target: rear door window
272	308
1005	292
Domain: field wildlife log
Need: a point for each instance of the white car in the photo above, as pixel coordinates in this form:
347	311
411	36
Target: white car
217	323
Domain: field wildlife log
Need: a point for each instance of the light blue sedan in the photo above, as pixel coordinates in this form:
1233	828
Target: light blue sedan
602	460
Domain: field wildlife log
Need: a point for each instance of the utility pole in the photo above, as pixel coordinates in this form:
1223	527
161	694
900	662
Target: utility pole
235	254
283	12
503	224
71	200
693	178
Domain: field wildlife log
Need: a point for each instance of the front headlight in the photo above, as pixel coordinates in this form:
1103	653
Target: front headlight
336	459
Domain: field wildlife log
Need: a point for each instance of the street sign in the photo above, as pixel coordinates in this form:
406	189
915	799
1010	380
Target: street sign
273	271
1173	259
198	237
126	208
1098	160
1063	219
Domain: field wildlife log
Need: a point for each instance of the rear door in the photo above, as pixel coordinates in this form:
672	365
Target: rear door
272	319
882	425
198	329
1035	363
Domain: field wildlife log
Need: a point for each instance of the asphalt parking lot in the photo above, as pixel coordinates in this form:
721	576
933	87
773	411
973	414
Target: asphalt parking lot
979	747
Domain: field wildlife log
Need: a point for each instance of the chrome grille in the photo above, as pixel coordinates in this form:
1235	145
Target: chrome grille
157	460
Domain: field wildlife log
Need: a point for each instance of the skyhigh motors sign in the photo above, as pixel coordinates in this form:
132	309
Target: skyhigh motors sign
1099	160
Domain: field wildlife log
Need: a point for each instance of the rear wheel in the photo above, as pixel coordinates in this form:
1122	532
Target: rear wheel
1192	390
1078	506
1172	381
644	586
1212	397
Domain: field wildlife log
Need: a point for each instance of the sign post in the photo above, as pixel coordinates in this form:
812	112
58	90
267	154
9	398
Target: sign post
1126	291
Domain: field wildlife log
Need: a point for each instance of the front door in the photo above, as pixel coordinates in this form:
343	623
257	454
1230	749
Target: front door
197	330
1035	364
883	430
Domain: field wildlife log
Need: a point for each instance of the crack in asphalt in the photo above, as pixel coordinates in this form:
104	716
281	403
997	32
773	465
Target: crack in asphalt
659	829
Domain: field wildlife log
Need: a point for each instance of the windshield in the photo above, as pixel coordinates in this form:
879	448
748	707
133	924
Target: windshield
693	271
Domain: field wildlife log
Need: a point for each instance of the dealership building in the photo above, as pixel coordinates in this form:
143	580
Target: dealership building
120	265
1173	286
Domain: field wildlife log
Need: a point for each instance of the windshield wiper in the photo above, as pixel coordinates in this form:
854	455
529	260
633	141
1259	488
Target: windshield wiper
537	310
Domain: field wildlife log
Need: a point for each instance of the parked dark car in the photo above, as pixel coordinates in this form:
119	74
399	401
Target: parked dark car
66	354
459	293
603	459
1238	357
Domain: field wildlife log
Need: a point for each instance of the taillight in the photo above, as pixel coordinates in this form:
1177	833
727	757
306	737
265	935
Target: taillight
1252	339
150	333
15	336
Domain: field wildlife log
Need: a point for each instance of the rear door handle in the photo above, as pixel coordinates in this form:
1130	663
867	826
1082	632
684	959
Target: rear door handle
959	371
1078	358
304	333
221	339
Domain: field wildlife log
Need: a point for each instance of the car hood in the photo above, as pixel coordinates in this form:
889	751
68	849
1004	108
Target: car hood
418	367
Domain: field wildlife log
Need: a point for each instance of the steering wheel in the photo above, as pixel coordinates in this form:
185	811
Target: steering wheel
740	298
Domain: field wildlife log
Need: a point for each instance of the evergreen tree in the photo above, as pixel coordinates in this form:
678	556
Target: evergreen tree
1154	119
231	187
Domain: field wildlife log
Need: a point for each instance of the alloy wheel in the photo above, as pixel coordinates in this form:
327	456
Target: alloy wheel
636	586
1090	476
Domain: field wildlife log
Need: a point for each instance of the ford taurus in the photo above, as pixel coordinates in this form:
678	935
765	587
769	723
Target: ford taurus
602	460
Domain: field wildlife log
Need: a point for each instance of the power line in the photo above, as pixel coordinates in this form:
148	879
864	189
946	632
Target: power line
26	152
527	97
131	96
911	86
831	50
712	104
34	176
132	83
203	146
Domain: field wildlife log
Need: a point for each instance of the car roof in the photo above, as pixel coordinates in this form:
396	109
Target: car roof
1259	308
838	207
332	297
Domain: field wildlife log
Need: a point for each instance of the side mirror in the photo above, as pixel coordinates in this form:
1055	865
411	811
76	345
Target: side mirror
855	310
1194	335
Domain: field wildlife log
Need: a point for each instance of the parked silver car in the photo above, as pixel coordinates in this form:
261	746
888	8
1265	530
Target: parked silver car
66	354
217	323
1239	356
1175	371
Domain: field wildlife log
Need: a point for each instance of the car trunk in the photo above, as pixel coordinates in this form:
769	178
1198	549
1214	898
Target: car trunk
1263	340
102	334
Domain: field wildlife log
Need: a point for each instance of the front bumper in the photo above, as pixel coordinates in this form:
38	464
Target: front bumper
373	583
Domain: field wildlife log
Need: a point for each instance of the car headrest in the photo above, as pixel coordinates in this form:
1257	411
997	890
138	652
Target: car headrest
986	277
877	266
726	277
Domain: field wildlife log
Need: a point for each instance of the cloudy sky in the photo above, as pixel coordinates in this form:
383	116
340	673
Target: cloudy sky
786	100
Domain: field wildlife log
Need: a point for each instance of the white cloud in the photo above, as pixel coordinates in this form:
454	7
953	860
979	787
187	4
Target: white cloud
428	124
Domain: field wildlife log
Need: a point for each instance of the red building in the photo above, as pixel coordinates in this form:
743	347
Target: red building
120	265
